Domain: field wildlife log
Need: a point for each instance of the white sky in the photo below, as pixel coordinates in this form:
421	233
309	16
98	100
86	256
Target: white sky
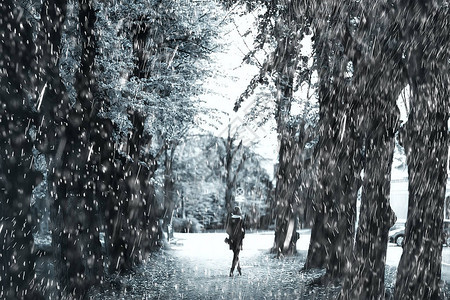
231	78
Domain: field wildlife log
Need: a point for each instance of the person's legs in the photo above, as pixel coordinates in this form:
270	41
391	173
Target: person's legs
239	248
239	266
235	261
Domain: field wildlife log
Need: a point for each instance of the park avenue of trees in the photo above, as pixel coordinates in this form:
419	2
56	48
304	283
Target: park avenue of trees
100	98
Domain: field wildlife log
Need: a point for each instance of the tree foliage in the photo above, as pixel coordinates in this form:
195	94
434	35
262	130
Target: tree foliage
202	183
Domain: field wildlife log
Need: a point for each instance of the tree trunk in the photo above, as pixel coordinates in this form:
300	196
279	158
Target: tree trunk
136	201
17	176
344	183
285	60
52	102
426	141
286	191
339	168
366	280
76	235
116	218
85	86
427	152
319	246
169	190
151	225
230	175
339	146
53	107
229	182
126	210
385	77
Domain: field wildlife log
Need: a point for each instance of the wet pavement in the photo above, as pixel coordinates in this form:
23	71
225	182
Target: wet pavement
197	267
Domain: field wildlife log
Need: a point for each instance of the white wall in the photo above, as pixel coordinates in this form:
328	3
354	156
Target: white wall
399	197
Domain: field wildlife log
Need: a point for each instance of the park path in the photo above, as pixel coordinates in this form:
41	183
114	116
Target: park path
196	266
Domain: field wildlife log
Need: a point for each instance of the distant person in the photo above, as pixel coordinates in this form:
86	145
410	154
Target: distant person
236	233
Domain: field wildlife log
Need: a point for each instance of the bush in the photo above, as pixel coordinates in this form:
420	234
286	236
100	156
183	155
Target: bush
186	225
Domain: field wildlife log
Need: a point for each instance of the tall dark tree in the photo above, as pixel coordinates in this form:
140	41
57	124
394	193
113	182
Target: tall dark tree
74	188
125	206
425	138
285	61
17	176
339	147
231	175
169	186
52	102
378	79
85	86
128	199
116	207
289	182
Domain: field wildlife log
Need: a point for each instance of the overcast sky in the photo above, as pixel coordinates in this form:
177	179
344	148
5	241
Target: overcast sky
224	87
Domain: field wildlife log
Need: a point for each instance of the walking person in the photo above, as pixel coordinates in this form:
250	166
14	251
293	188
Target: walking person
236	233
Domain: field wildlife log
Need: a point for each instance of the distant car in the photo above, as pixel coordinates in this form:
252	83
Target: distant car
446	232
397	233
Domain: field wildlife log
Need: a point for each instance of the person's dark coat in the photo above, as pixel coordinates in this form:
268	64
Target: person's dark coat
236	231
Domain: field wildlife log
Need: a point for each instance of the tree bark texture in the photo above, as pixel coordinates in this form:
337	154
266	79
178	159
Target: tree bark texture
339	155
340	144
379	80
169	189
286	192
284	61
52	102
116	218
231	175
76	235
419	270
130	218
17	175
366	279
229	182
425	138
52	105
319	246
345	182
